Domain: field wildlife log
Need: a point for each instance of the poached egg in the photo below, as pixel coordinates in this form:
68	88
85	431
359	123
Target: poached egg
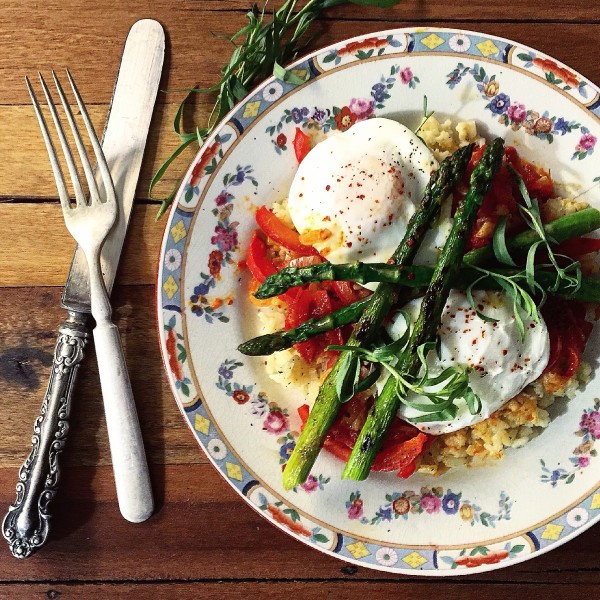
354	192
501	364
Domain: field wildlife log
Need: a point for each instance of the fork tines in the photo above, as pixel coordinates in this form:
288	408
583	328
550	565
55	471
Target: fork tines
73	171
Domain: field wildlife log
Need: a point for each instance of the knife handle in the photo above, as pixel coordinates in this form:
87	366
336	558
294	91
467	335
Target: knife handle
130	468
26	524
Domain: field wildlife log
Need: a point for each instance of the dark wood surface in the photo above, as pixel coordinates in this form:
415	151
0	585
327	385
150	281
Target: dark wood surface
203	540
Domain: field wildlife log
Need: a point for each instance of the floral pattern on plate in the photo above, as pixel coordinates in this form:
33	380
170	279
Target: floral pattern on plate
482	555
559	76
514	114
429	501
341	119
226	240
274	418
589	432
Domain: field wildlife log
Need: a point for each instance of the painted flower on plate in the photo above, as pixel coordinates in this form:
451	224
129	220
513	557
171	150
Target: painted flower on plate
172	259
378	92
225	372
591	422
386	557
499	104
215	258
406	75
223	198
298	114
345	119
466	512
240	396
577	517
361	107
225	239
355	510
562	126
276	422
273	91
543	125
286	450
217	449
401	506
516	112
491	88
311	484
430	503
459	43
450	503
586	143
281	140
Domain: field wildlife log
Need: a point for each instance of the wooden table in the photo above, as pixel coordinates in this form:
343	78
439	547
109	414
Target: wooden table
203	540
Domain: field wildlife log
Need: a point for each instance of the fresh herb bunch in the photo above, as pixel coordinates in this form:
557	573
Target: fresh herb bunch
261	47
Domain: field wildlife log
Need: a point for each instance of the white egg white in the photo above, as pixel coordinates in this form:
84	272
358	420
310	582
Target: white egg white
357	190
502	365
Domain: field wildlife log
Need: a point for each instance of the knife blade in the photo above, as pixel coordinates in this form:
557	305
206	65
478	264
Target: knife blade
26	525
123	145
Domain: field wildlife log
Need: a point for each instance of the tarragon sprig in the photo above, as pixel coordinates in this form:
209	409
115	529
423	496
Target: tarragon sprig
520	286
260	48
442	390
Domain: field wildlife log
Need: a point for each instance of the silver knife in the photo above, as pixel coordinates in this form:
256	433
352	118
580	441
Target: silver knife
26	524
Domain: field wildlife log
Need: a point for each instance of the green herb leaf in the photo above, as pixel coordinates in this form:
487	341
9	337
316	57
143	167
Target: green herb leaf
347	377
471	300
369	380
286	75
499	243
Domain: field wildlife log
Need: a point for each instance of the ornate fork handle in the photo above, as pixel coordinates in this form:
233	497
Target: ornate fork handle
26	524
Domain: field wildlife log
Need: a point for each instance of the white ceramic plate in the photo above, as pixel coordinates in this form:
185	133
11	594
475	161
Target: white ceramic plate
466	520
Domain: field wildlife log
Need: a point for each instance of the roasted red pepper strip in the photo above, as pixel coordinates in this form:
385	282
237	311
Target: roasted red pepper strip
299	311
503	197
301	145
578	246
344	291
261	267
280	233
403	443
257	261
569	331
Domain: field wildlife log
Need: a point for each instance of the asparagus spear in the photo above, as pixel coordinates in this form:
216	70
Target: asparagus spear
327	403
380	417
562	229
280	340
410	277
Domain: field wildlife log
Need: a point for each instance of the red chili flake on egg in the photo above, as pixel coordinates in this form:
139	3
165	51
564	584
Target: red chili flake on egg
327	188
349	244
504	352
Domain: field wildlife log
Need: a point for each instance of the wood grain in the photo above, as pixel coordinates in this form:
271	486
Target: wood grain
306	590
36	248
88	35
26	345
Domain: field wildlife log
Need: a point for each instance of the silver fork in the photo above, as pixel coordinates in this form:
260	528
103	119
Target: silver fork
89	223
